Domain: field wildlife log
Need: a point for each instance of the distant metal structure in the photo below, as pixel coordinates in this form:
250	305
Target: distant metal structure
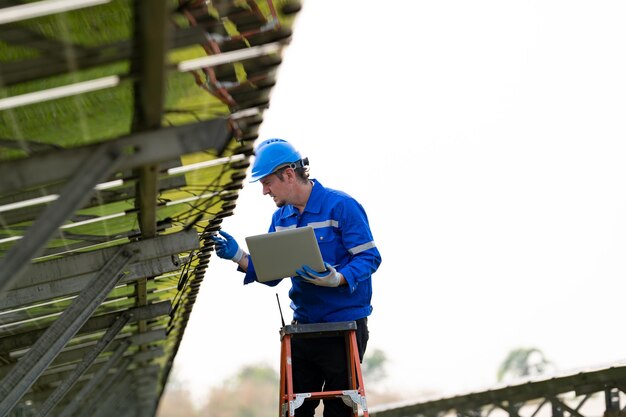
589	393
126	129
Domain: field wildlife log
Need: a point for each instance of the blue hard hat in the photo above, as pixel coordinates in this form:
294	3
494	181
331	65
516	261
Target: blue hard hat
272	154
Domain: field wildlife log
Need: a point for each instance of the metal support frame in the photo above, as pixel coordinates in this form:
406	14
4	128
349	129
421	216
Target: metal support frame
90	262
512	408
48	346
53	376
94	324
540	396
95	399
148	354
124	408
91	171
573	412
74	355
557	410
82	395
65	386
43	66
147	391
611	398
137	339
73	285
149	93
118	398
69	275
106	196
137	150
148	337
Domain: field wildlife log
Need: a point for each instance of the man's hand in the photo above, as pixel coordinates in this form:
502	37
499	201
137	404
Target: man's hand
328	278
227	248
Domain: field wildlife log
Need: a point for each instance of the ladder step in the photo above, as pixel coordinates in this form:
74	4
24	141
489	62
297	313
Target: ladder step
323	394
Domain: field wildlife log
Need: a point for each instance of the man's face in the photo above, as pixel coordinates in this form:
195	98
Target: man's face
276	188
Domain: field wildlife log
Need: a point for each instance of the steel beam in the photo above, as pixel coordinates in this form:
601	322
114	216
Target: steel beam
90	262
81	397
107	195
148	354
75	355
26	214
137	339
91	171
547	391
147	392
52	377
65	287
96	397
67	383
43	66
94	324
124	409
611	400
120	396
43	352
148	337
149	95
137	150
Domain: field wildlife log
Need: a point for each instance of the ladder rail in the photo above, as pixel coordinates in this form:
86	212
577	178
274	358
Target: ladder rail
353	396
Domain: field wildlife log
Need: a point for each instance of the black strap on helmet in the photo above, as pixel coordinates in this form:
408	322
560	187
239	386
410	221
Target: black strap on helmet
299	164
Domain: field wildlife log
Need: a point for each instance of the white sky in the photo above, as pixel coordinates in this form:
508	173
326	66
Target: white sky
486	140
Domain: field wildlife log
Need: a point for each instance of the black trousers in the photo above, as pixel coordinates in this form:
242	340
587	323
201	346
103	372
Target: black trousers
319	364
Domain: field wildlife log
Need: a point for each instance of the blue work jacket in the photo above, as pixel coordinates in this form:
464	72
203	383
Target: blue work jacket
346	242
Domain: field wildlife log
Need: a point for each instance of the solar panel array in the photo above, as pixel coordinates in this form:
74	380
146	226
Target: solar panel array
126	129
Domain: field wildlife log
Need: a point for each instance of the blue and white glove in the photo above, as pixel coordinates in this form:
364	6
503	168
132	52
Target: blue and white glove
328	278
227	248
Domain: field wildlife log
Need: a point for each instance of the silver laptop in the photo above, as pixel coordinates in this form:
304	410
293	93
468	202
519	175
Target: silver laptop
279	254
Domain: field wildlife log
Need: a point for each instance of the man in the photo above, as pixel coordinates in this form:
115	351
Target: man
341	293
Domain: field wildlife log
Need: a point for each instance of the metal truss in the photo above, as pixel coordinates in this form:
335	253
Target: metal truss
597	393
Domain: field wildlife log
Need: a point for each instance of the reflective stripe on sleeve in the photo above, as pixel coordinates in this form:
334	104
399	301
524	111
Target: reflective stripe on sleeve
361	248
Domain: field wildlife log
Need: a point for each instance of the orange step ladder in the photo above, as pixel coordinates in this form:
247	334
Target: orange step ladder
353	396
